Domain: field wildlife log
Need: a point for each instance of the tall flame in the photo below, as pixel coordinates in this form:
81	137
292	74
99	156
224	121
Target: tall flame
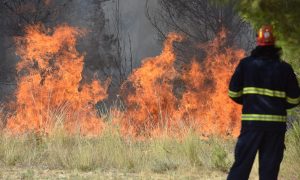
206	98
204	106
50	68
151	100
51	88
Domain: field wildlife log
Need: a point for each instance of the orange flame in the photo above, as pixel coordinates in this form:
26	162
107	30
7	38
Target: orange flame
204	106
206	98
51	89
50	69
152	100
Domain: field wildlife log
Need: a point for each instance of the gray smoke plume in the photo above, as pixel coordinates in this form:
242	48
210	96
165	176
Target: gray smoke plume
134	24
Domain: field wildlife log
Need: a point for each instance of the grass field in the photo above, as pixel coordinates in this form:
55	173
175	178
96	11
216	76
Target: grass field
110	156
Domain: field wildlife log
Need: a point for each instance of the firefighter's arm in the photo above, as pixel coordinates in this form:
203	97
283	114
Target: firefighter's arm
292	90
236	85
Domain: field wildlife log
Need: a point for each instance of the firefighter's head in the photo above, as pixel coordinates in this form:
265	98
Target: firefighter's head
265	36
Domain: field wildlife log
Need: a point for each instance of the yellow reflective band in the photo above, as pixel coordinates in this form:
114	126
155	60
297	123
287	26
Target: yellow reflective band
293	100
262	91
263	117
234	94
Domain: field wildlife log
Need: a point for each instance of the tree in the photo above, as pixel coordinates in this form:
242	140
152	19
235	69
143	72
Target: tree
283	15
201	21
19	13
14	16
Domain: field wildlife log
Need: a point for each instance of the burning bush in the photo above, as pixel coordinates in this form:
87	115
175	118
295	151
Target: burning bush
204	107
50	70
50	89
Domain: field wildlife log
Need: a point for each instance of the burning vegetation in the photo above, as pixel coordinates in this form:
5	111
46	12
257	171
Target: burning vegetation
154	109
50	70
51	90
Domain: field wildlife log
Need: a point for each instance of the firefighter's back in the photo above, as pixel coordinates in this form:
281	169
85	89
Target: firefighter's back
264	91
266	87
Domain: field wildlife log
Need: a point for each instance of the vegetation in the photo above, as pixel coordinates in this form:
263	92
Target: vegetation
283	15
190	156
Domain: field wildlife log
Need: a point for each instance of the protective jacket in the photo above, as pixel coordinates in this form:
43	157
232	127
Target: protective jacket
266	88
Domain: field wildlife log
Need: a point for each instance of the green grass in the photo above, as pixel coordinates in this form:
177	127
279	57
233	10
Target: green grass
291	164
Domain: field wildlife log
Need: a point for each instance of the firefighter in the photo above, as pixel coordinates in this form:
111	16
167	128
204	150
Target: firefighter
266	86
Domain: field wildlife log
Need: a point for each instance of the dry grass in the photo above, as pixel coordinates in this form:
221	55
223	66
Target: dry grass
110	153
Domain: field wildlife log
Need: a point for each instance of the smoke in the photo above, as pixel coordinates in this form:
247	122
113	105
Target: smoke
135	25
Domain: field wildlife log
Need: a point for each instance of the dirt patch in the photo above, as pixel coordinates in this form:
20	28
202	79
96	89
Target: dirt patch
27	173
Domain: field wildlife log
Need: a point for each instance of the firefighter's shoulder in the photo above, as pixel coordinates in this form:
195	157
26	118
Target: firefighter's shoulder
286	66
244	60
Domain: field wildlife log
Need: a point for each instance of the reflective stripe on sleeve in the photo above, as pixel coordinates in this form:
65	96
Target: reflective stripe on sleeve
262	91
263	117
293	100
234	94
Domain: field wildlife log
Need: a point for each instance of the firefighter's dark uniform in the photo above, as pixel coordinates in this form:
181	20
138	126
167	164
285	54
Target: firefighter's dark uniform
266	88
